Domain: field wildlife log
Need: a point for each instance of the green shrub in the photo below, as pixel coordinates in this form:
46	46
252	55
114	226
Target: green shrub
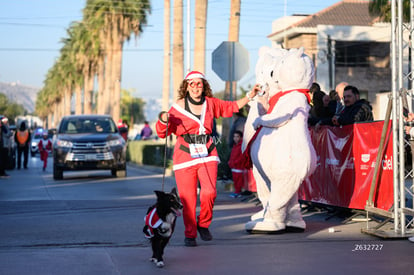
148	153
152	153
223	150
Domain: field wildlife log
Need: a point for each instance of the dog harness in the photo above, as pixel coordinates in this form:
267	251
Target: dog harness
151	221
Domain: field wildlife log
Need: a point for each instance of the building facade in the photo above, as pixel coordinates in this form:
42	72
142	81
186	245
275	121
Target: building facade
346	44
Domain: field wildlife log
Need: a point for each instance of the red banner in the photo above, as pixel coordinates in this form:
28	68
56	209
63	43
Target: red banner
346	161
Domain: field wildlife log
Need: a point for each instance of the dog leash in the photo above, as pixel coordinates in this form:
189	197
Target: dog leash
165	155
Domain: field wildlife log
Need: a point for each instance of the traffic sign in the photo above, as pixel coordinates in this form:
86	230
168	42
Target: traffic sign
230	61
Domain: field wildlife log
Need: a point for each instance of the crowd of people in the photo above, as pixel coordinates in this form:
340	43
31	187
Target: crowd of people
343	106
187	119
17	142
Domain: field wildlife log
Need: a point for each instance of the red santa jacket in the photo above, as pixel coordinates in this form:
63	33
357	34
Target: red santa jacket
237	161
44	145
182	122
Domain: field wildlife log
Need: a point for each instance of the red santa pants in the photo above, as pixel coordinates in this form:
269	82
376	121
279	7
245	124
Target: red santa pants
239	178
187	178
43	156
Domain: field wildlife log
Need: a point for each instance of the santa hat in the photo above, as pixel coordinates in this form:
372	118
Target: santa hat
194	74
5	119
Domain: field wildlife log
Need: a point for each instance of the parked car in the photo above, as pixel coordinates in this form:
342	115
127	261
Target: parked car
88	142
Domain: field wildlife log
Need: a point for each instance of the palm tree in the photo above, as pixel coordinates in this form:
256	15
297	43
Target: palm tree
76	54
200	35
382	8
167	55
116	20
178	49
231	86
87	47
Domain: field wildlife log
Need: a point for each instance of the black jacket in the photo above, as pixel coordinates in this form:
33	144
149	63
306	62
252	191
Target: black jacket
360	111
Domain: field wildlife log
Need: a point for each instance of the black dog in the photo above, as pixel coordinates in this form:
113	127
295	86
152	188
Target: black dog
160	223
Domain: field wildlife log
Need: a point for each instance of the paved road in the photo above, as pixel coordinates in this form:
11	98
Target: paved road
90	223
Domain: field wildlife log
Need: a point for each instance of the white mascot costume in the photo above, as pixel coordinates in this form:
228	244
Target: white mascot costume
282	152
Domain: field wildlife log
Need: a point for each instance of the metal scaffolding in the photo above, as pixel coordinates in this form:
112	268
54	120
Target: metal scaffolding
399	221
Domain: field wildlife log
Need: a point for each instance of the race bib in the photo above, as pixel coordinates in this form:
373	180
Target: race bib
198	150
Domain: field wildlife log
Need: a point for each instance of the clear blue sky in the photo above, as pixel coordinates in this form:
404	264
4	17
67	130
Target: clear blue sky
31	32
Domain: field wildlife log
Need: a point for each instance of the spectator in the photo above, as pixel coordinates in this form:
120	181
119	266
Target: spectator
355	109
45	146
333	101
4	146
326	99
123	128
146	132
320	109
22	138
333	95
195	157
314	88
409	130
237	163
238	124
340	97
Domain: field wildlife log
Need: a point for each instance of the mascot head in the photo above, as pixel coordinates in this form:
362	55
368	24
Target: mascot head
268	59
294	71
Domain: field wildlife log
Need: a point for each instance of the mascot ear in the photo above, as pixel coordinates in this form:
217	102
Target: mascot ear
300	51
263	50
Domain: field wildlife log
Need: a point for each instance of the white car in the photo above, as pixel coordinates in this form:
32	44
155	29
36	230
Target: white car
37	135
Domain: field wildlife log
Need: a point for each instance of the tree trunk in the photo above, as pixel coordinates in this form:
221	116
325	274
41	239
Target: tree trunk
115	101
78	101
56	114
117	72
200	35
101	86
167	54
230	92
109	84
178	49
88	90
68	100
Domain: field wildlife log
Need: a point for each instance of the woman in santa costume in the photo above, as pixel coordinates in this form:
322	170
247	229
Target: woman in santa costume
195	157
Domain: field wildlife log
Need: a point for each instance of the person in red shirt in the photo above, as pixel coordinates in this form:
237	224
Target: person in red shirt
45	146
123	129
195	157
237	163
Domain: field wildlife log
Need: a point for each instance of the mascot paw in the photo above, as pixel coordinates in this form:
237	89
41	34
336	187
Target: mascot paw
257	216
256	123
265	227
295	226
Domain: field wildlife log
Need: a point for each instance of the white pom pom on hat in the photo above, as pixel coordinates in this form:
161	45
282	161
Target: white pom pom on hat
194	74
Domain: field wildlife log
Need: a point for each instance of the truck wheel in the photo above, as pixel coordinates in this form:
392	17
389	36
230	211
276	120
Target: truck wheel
57	173
118	173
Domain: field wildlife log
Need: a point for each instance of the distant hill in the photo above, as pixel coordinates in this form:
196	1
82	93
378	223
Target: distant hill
20	94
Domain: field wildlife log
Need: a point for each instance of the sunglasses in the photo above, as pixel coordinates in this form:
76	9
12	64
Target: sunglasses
196	84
